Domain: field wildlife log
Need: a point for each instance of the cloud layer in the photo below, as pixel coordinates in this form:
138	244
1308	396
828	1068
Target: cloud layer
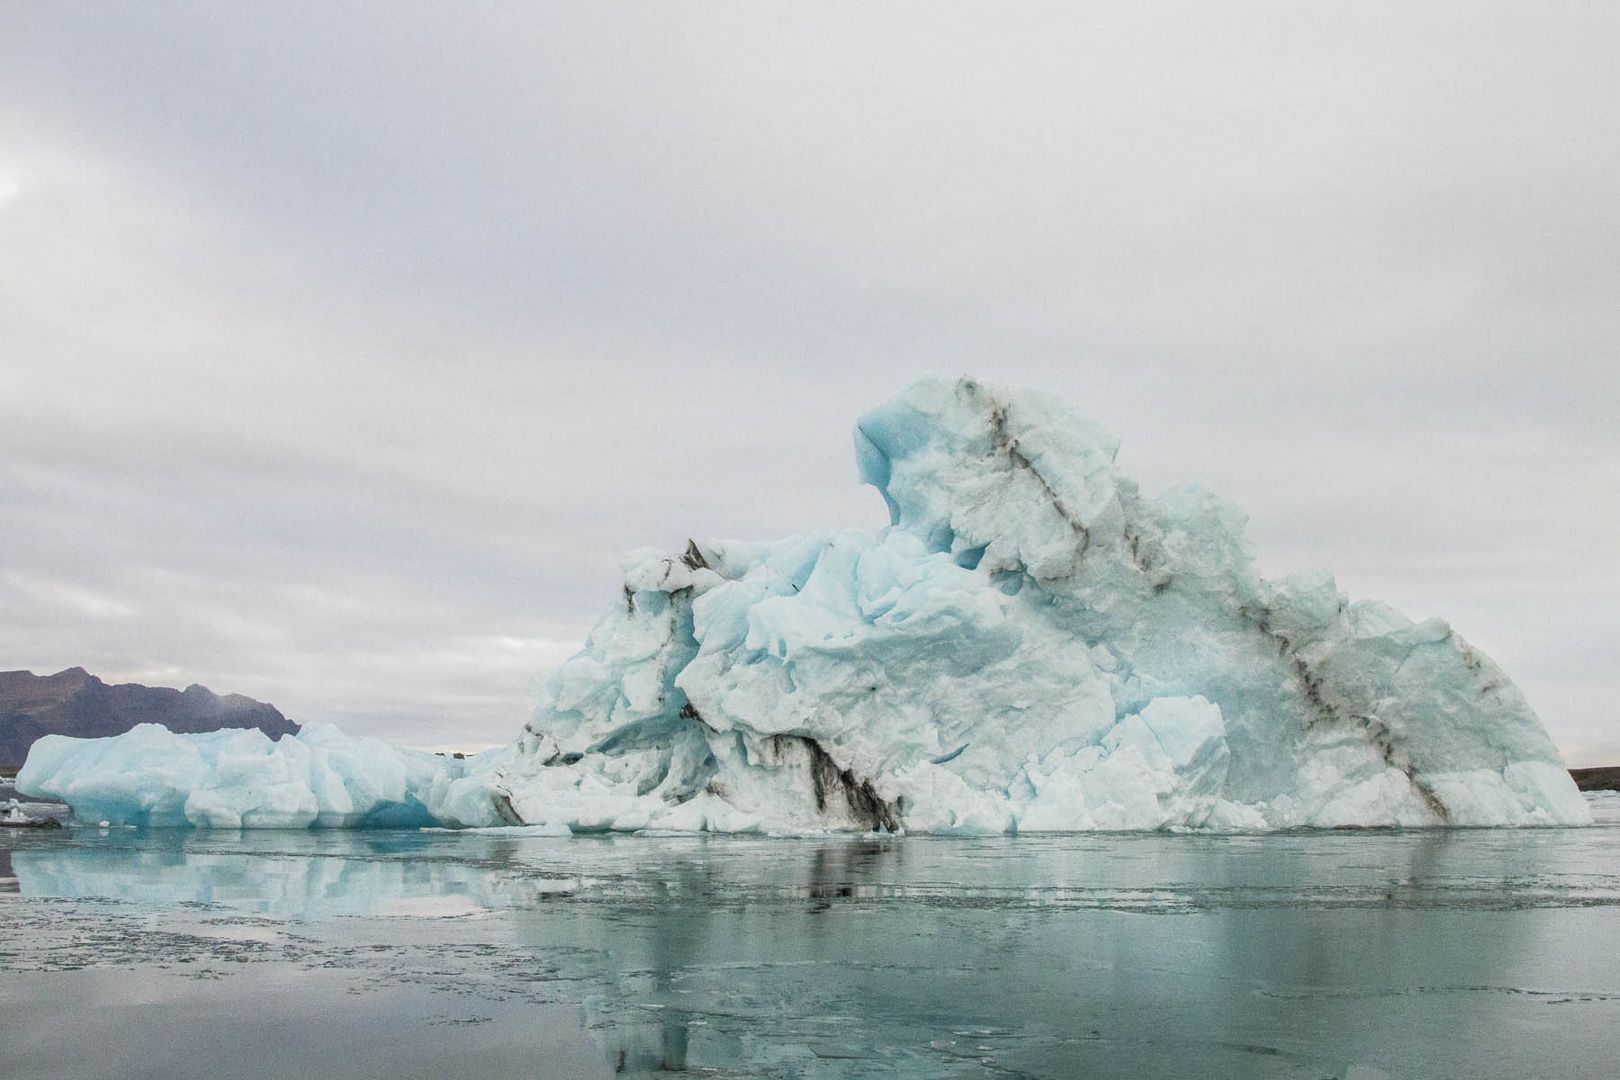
344	348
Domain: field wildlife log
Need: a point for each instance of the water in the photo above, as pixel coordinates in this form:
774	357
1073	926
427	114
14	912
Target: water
397	954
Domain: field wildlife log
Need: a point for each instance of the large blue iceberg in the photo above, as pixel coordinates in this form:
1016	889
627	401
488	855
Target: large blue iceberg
1028	645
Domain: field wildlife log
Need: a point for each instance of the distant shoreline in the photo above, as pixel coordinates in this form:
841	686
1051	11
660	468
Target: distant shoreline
1602	778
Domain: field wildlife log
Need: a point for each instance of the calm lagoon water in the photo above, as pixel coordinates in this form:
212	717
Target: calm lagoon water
399	954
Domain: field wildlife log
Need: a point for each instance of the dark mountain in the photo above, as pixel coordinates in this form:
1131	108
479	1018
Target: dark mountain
1606	778
74	702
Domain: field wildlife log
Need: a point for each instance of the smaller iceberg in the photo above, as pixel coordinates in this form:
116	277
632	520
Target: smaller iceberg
240	779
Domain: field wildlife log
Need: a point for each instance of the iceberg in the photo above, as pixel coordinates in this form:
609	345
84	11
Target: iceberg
1029	644
238	778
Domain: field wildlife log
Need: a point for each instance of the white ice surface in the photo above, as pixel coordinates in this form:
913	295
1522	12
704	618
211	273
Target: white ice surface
1029	645
241	779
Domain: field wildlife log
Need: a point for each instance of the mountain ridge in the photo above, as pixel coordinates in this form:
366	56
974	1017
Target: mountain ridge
76	703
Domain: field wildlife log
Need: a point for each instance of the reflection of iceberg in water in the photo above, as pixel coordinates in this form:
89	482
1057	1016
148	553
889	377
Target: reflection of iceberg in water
907	956
371	873
662	1018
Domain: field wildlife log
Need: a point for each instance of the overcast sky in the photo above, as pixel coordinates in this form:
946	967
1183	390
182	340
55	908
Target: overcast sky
346	347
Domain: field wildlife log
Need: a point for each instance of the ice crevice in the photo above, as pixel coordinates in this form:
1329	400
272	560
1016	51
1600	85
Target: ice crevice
1029	644
1386	742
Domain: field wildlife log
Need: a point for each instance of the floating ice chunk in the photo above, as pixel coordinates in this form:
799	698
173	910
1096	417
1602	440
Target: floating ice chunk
239	778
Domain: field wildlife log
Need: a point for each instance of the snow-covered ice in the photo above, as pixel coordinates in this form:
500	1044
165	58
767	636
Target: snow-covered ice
1029	644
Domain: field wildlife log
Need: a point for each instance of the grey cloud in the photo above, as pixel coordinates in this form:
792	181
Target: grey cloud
345	347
